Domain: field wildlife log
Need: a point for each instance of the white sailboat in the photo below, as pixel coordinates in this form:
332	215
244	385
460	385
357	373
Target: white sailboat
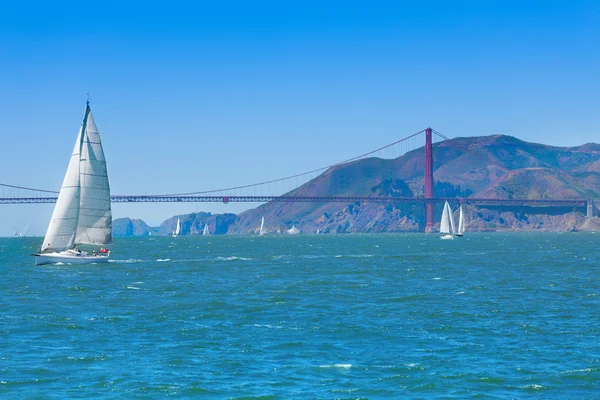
21	234
447	224
82	215
262	227
177	229
293	230
461	223
205	231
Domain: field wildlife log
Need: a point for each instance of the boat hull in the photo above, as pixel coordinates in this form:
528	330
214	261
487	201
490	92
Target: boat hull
55	258
446	237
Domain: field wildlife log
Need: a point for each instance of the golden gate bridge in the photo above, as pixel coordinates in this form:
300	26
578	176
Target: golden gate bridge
428	199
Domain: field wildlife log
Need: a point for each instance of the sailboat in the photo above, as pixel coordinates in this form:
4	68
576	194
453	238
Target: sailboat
21	234
293	230
206	232
447	224
82	215
461	223
262	227
177	229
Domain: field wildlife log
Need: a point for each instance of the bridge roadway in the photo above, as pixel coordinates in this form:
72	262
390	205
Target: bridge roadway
311	199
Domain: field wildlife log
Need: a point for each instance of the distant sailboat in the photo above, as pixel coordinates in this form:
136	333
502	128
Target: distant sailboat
21	234
82	215
318	230
293	230
205	231
177	229
447	224
461	223
262	227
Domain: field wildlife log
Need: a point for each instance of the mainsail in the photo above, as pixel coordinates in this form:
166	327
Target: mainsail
206	232
82	213
262	226
95	217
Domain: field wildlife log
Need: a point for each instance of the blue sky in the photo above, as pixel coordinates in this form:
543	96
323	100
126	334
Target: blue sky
199	95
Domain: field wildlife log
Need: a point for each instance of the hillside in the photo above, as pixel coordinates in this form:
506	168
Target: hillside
495	166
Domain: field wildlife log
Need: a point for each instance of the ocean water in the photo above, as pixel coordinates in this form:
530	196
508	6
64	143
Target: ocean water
491	315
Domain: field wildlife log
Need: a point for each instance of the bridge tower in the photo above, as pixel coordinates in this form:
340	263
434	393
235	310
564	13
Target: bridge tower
428	180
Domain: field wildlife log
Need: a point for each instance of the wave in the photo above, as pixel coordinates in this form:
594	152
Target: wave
533	386
268	326
573	371
343	366
128	261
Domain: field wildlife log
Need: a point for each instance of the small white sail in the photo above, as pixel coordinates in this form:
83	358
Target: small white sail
461	222
293	230
445	223
262	227
453	231
26	228
206	232
177	228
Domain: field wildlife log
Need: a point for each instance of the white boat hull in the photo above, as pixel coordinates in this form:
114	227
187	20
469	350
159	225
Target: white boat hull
67	257
446	237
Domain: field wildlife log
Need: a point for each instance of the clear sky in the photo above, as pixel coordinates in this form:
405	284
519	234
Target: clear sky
192	96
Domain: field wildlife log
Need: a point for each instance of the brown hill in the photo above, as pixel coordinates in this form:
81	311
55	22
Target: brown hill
496	166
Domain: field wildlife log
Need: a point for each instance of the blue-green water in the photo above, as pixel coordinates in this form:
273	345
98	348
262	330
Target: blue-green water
353	316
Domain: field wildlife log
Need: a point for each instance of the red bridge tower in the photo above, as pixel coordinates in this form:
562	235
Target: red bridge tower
428	180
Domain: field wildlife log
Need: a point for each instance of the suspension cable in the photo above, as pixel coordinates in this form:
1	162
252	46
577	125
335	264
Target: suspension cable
297	175
255	184
27	188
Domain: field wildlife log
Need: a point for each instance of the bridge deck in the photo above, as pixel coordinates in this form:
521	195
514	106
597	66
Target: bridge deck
307	199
